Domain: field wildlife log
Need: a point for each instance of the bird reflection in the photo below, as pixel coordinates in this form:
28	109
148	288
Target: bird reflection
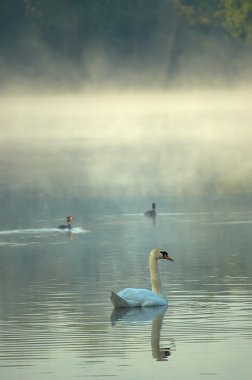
141	314
70	235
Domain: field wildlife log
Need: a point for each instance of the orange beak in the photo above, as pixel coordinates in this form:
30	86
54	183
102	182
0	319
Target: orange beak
168	258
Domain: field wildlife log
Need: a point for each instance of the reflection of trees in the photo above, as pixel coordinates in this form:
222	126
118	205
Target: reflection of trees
140	315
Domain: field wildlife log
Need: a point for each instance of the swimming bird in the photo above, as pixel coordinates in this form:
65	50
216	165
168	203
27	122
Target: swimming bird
67	226
133	297
151	213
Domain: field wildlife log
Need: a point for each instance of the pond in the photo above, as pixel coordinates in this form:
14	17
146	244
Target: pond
105	160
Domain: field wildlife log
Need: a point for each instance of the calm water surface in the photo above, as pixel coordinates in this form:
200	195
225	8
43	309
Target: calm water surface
56	319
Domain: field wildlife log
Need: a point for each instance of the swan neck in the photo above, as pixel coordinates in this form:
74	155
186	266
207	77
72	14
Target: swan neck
154	274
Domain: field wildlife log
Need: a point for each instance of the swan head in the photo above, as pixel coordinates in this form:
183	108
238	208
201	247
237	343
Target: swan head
158	254
166	256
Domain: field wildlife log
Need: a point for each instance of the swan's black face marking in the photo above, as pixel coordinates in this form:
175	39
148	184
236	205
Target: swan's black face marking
166	255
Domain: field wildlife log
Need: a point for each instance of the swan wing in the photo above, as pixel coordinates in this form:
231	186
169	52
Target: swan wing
117	301
141	297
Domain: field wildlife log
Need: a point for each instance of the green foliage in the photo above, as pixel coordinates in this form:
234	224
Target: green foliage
71	24
233	16
143	30
202	12
237	17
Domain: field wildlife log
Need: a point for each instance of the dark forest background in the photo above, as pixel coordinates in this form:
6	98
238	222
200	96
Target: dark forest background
159	42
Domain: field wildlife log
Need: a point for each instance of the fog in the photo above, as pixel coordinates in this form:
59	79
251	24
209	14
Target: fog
134	142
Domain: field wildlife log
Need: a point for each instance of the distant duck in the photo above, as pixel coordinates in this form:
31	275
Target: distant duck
67	226
151	213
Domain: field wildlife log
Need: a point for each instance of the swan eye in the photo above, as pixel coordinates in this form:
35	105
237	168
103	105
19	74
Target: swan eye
164	253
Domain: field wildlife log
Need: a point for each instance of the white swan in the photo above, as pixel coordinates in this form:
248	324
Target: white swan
132	297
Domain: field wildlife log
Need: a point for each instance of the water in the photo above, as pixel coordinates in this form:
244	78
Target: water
56	318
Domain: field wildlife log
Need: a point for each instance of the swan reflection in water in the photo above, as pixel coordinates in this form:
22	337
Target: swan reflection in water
145	314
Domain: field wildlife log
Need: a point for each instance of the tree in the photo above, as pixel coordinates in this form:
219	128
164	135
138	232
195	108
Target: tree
237	17
233	16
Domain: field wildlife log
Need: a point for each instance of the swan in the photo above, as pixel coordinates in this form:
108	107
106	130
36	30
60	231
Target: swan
132	297
151	213
67	226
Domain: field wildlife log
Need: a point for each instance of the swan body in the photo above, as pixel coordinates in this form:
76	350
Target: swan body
133	297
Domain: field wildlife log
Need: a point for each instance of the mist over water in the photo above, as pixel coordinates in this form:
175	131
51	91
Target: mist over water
134	142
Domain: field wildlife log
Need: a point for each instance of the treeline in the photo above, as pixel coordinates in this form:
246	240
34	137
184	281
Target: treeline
167	34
